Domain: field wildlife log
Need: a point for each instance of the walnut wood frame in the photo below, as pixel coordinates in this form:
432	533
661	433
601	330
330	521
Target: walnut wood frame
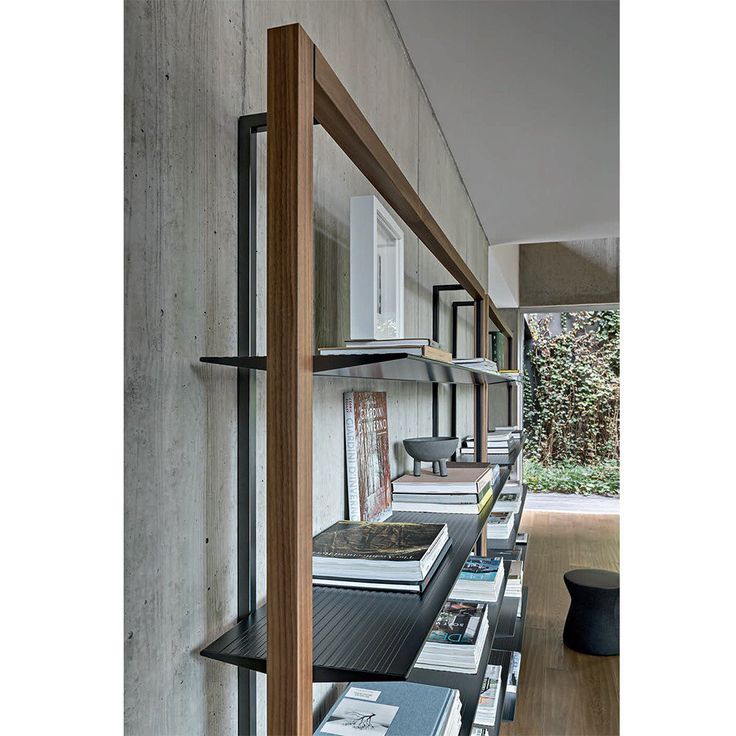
303	87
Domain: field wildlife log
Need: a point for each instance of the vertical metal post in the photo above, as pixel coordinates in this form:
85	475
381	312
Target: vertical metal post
248	127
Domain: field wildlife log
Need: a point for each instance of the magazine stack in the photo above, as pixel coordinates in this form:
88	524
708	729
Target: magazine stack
485	715
422	347
464	490
379	555
500	524
515	582
510	499
481	579
500	441
456	641
393	709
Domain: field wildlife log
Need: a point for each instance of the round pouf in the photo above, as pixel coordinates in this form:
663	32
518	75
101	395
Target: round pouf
592	623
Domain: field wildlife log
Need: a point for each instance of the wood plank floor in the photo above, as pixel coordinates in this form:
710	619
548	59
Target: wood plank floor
561	692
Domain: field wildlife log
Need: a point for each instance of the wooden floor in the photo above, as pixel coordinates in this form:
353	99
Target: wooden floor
561	692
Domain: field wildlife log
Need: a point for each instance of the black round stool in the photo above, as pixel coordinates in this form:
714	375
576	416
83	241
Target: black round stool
592	622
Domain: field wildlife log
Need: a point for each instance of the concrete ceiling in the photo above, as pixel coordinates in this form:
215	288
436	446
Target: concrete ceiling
526	93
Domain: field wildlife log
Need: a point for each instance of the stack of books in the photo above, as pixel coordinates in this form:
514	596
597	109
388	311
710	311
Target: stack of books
509	499
456	641
500	524
478	364
485	715
379	555
515	581
420	346
481	579
499	442
464	490
394	709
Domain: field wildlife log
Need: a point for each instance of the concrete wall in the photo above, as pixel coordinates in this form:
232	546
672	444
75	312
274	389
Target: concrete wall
190	70
578	272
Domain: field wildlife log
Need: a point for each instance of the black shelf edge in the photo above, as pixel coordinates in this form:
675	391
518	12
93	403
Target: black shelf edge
381	366
510	628
510	541
468	685
503	658
386	630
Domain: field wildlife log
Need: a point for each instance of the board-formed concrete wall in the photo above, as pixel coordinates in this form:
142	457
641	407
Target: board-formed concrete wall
578	272
191	69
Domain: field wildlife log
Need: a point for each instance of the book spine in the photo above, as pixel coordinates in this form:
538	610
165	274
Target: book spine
351	456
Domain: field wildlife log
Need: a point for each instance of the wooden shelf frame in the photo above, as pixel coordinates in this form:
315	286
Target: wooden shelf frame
303	87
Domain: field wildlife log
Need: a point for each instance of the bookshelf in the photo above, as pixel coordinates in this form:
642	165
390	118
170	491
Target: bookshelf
382	632
354	634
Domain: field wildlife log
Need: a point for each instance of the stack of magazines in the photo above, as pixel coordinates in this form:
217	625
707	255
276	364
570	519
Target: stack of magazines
379	555
456	641
485	715
481	579
464	490
500	524
499	442
515	582
394	709
510	499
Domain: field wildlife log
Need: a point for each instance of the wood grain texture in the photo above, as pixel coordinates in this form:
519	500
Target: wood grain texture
290	280
342	119
562	692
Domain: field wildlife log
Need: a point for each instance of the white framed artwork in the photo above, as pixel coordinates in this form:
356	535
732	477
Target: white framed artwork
376	271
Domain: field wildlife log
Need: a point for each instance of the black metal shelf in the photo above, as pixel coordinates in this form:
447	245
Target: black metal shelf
468	685
510	628
384	366
364	634
510	541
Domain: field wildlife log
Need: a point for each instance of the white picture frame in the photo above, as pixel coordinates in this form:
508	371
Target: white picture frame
376	271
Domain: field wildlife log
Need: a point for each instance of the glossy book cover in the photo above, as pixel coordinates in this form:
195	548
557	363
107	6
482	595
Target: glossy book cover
480	568
458	623
376	540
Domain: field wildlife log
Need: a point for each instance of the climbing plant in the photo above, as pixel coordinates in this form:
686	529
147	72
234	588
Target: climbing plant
571	396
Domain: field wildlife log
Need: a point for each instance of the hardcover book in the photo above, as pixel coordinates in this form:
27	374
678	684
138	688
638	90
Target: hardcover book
386	541
366	455
391	709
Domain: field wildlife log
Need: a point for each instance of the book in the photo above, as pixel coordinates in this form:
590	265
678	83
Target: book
508	501
392	342
461	480
515	579
481	579
424	351
366	455
420	586
522	538
442	507
457	638
388	551
500	524
514	669
485	714
393	709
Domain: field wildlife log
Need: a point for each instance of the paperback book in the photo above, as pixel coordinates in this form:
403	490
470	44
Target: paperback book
456	641
481	579
393	709
366	455
513	680
485	715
